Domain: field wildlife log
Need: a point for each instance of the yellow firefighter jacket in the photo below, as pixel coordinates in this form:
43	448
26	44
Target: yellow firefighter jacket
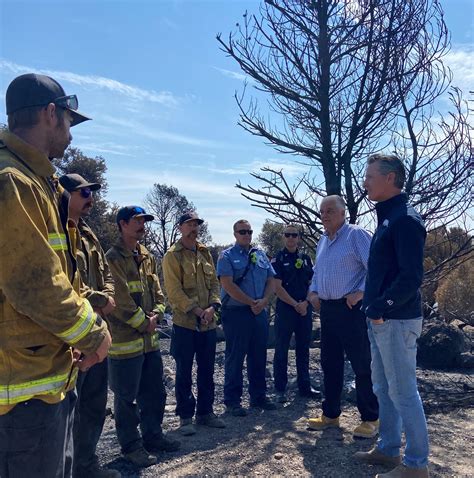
190	281
41	316
94	268
137	293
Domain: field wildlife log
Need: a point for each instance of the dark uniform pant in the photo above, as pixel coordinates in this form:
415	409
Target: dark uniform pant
246	335
185	344
345	330
36	439
138	379
287	321
89	415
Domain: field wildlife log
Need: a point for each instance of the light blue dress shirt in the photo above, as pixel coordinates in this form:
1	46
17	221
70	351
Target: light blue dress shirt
341	263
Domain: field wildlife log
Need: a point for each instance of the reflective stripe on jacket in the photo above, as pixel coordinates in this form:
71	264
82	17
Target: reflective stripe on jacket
190	281
40	313
137	293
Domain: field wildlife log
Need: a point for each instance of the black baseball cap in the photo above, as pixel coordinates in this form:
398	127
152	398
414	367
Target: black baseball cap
189	216
74	182
37	90
127	212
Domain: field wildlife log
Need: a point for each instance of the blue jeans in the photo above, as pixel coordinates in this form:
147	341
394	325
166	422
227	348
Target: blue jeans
89	415
185	345
139	399
36	439
287	321
246	334
393	346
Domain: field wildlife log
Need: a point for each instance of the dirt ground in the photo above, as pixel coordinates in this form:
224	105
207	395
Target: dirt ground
277	443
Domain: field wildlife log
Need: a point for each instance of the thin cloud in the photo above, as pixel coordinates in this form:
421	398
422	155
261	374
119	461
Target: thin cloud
234	75
143	179
159	135
289	168
461	61
165	98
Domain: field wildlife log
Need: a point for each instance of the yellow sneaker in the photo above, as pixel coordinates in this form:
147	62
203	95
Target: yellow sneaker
366	429
323	422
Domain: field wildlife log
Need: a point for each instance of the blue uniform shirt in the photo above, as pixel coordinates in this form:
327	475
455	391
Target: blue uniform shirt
233	261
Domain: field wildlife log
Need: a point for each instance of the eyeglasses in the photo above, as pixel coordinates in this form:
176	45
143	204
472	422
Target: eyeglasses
70	102
86	192
242	232
291	234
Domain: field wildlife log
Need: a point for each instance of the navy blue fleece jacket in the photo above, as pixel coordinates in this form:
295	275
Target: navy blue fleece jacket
395	267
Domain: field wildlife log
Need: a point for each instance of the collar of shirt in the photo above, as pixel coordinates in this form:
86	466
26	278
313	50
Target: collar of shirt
383	208
339	233
122	248
241	250
34	158
286	252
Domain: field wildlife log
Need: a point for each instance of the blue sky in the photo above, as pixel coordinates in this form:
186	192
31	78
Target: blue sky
151	75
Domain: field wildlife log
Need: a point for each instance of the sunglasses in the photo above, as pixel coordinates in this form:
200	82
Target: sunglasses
138	210
242	232
86	192
71	102
291	234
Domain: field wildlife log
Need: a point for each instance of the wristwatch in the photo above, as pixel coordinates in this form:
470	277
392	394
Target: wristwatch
216	306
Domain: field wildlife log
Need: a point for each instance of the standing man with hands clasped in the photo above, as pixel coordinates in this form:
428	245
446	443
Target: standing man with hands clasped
193	293
136	367
42	315
392	302
98	288
246	277
338	287
294	271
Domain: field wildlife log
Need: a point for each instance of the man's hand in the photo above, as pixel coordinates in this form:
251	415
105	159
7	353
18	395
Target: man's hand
314	300
302	308
207	315
153	318
87	361
109	307
258	305
377	321
353	298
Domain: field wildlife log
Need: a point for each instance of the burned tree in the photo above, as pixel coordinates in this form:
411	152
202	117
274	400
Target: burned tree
344	79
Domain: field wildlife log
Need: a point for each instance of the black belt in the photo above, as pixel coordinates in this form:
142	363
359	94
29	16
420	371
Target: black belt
334	301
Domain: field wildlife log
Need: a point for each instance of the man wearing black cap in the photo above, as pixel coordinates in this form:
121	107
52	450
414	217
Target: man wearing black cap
193	292
42	315
136	368
89	415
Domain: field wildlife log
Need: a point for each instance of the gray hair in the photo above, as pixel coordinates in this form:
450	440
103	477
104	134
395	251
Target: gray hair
389	163
337	199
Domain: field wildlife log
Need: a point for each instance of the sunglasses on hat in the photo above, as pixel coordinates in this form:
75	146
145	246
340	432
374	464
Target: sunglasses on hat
242	232
70	102
291	234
